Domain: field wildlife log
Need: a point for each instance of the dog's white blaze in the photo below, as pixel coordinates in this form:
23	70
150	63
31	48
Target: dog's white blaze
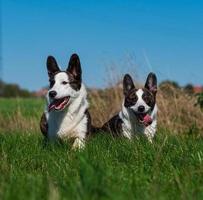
70	122
140	102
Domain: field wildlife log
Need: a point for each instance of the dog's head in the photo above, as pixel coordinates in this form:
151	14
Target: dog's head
64	85
140	101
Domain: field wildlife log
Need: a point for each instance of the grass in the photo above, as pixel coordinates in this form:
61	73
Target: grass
28	107
20	114
108	168
170	168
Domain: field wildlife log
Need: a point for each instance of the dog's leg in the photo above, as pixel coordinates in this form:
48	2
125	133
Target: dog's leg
127	132
149	137
150	131
78	144
80	134
44	125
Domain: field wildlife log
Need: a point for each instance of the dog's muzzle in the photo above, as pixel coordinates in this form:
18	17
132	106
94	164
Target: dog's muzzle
59	104
143	118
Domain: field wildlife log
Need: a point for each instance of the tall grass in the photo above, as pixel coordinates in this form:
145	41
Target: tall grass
177	111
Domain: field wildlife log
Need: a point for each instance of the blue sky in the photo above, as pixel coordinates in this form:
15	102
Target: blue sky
161	36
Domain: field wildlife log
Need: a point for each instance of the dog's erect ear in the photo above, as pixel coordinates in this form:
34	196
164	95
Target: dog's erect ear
52	66
151	83
127	84
74	67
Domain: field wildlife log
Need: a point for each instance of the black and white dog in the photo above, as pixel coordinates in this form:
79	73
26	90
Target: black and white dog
139	110
66	113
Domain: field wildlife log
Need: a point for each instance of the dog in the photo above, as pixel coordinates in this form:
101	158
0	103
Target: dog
138	115
66	112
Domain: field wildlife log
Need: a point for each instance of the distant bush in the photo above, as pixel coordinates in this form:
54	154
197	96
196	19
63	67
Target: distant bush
169	87
13	90
189	89
169	84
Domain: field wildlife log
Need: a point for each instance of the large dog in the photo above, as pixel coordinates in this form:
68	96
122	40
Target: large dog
66	114
139	110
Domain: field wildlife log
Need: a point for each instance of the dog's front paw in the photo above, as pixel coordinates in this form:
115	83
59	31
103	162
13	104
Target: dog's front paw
78	144
150	133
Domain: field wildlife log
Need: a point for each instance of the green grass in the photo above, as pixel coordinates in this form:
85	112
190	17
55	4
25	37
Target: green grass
27	107
170	168
22	115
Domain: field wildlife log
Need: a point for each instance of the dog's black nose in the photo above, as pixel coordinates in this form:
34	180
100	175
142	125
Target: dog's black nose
141	108
52	94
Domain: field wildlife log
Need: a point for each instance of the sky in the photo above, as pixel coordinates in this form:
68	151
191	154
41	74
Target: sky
110	36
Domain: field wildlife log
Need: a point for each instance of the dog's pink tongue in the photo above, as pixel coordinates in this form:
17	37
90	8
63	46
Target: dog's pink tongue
147	120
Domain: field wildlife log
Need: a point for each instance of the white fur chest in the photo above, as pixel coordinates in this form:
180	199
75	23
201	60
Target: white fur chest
66	126
58	123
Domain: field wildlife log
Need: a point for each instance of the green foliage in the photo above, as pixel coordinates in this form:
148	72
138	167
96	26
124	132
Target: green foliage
13	90
170	168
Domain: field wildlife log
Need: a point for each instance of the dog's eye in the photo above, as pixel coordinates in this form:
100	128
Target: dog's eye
64	82
132	96
147	99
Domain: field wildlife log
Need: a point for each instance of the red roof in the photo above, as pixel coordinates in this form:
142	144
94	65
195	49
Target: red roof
41	93
198	89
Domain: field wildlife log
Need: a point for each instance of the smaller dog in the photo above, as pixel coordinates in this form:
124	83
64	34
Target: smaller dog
139	110
66	114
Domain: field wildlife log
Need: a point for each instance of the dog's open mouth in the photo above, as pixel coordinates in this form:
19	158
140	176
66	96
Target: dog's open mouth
59	104
144	118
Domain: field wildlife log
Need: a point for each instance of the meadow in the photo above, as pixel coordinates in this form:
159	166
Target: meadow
108	168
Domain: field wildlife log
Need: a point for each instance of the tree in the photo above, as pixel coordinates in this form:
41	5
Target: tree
12	90
189	89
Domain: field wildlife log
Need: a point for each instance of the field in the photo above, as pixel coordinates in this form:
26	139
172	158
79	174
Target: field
108	168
